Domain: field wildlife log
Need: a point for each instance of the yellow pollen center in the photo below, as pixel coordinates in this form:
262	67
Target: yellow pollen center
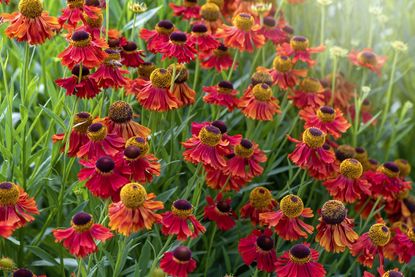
144	146
219	3
300	260
367	58
282	64
160	78
313	141
6	264
379	234
164	31
292	206
326	117
260	198
75	4
243	152
182	73
98	135
388	273
244	22
31	8
351	168
81	43
81	124
411	234
262	92
189	4
133	195
311	85
181	213
224	90
112	57
210	12
9	196
404	167
209	138
94	22
299	44
82	228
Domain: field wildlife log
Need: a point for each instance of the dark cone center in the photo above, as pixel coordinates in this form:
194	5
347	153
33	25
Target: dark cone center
182	253
166	24
81	218
220	125
225	84
95	127
223	206
105	164
130	46
182	204
265	243
22	273
300	251
80	36
132	152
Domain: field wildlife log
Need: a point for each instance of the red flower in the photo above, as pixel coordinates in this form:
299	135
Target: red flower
387	183
130	56
220	211
371	244
135	211
72	14
79	84
299	50
31	24
283	74
402	245
78	136
310	94
286	221
258	247
85	50
222	94
154	94
189	10
143	165
260	104
105	176
219	58
233	140
349	186
246	160
311	154
272	31
80	238
367	58
159	37
100	142
335	230
177	221
243	35
207	147
211	16
300	260
120	121
178	263
16	207
178	47
108	73
260	201
201	40
327	119
183	93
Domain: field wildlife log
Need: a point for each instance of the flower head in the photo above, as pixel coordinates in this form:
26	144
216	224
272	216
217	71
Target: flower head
368	59
80	83
220	211
80	238
219	58
158	37
284	74
287	222
31	23
260	201
181	90
335	231
176	222
299	50
310	94
179	262
188	10
143	165
131	56
258	247
223	94
135	211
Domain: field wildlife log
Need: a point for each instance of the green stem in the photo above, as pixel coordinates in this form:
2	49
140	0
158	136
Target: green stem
210	248
235	57
157	258
107	19
121	249
333	80
322	24
197	71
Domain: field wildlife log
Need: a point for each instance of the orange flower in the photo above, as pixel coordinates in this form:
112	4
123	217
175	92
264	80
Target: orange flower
260	201
184	94
16	207
367	58
335	231
309	94
260	104
135	211
31	23
243	35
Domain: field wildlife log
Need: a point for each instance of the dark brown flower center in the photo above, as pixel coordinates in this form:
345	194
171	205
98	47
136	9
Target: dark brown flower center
81	218
120	112
178	37
130	46
76	69
105	164
166	24
345	152
261	77
80	36
22	272
225	85
220	125
132	152
223	206
265	243
199	28
391	166
300	251
333	212
114	43
182	204
269	21
182	253
93	3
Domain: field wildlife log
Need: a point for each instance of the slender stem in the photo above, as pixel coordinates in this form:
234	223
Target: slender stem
157	258
121	249
210	248
322	24
79	270
107	19
235	57
197	71
333	80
